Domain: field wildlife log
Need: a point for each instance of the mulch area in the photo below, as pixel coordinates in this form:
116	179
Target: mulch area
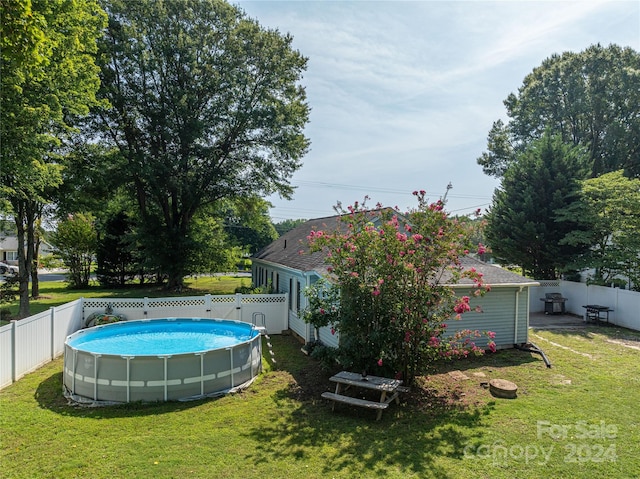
445	389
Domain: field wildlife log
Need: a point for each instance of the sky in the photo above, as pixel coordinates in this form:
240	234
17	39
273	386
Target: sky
403	93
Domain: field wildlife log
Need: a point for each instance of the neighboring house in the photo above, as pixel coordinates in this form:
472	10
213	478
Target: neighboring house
9	249
288	267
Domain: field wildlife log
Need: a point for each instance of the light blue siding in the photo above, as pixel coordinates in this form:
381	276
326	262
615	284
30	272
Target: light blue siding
499	309
499	316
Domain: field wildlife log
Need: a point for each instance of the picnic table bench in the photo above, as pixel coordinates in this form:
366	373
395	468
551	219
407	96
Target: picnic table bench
593	312
388	388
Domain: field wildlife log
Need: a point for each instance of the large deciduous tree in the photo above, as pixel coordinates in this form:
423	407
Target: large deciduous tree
609	209
589	98
524	226
48	79
206	105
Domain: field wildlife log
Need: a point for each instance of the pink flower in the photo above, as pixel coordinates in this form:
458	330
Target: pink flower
481	249
376	292
333	330
492	346
491	334
380	362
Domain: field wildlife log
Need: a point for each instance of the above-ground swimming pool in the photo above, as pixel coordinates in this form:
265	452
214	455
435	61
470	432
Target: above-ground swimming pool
160	360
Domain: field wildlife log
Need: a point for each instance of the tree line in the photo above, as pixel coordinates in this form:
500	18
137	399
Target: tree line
161	124
569	163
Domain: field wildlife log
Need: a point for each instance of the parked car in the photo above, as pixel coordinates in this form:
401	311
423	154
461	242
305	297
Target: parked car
8	269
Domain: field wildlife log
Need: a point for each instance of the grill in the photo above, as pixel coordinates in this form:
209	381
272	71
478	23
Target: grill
553	303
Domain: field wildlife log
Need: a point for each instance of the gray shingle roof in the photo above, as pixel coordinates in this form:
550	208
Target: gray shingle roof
291	250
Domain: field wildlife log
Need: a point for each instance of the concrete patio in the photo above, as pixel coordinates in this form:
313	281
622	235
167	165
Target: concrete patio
558	321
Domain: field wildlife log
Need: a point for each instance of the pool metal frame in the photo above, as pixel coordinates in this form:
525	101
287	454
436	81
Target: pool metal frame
101	379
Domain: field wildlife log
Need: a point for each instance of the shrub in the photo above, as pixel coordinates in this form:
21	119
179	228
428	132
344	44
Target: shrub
388	292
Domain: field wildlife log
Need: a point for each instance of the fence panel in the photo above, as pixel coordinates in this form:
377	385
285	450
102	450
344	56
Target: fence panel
577	295
33	340
185	307
628	309
131	308
272	306
224	307
6	354
537	292
625	304
67	319
29	343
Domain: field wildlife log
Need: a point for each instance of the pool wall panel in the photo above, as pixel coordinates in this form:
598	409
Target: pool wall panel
111	378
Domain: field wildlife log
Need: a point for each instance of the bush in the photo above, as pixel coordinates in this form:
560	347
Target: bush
388	292
5	314
325	355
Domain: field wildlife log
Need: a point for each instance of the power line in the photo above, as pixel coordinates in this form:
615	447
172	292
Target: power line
324	184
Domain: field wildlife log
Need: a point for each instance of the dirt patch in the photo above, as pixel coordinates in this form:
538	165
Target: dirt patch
437	391
632	343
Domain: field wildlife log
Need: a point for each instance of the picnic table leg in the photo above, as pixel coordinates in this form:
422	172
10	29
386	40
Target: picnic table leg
333	403
383	397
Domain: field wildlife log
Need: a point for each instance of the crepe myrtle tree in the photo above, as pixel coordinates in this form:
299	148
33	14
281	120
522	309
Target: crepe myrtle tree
388	290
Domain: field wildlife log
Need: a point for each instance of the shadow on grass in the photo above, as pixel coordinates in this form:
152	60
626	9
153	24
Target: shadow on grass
410	437
404	440
49	396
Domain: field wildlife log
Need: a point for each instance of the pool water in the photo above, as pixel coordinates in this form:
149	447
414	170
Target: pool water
179	336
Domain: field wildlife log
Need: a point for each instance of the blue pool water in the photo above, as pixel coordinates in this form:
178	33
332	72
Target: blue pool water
162	337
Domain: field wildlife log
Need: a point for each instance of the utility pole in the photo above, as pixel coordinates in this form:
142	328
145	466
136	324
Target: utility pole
449	186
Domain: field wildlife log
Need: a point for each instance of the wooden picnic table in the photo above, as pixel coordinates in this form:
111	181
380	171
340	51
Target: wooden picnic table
388	388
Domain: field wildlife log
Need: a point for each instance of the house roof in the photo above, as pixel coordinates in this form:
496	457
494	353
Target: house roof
291	250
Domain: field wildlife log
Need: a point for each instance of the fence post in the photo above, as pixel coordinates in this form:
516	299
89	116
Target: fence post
239	306
207	305
146	306
14	366
52	316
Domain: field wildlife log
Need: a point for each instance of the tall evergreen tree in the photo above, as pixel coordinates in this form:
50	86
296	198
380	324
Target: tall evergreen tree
523	227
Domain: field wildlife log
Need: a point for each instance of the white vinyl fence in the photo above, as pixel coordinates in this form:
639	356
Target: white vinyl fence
29	343
625	304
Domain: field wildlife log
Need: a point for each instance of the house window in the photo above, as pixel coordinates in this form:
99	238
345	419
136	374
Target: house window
290	294
298	296
11	255
277	290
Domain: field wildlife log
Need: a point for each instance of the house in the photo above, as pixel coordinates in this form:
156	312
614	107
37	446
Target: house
9	249
287	267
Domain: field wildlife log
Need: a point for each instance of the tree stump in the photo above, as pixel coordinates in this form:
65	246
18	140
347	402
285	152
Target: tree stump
503	389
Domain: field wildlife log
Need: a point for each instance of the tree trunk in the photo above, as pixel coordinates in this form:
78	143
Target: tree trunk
35	281
23	260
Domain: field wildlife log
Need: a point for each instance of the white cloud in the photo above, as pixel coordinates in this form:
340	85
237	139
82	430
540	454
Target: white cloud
403	93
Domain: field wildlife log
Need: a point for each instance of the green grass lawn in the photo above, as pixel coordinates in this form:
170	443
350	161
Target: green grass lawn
578	419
